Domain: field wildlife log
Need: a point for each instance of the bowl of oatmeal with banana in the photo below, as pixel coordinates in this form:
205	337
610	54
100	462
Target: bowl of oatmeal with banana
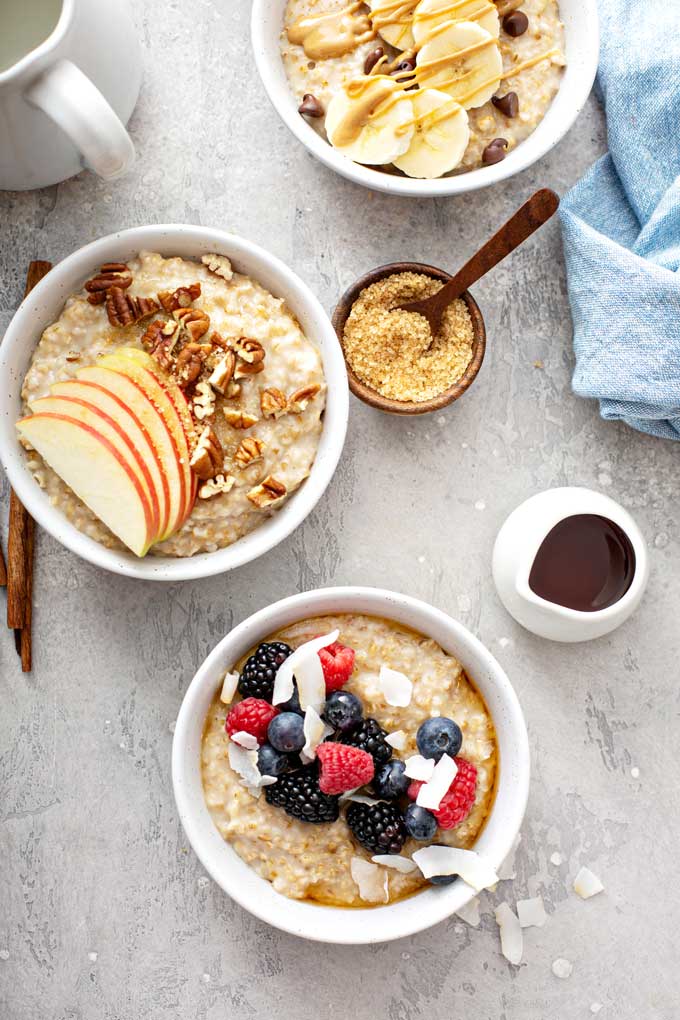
351	748
427	97
177	402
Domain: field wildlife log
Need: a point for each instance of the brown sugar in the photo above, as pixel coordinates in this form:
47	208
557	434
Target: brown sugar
394	352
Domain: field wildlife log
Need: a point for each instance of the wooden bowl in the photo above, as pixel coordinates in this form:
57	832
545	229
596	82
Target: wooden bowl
387	404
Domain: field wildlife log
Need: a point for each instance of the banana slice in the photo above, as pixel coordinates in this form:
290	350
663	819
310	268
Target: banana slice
393	21
373	126
440	138
431	13
465	62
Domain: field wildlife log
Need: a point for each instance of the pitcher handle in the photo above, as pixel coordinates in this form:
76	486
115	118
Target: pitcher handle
77	106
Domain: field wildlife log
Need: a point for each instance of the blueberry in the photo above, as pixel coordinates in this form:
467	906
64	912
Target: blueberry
271	762
286	732
420	823
439	736
343	711
293	703
390	780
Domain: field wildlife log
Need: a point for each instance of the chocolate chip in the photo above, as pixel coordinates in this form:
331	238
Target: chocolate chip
516	23
373	58
405	67
507	104
310	106
494	152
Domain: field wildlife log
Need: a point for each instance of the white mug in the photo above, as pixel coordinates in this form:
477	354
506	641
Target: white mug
70	72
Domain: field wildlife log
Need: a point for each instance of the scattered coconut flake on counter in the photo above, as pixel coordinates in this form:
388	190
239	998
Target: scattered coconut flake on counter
432	793
635	772
470	913
305	665
246	740
244	763
556	859
315	731
396	687
397	740
403	864
373	885
418	767
595	1008
586	884
562	968
512	940
507	869
451	860
229	688
531	912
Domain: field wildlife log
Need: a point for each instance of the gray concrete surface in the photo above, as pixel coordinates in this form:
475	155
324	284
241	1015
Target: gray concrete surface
105	913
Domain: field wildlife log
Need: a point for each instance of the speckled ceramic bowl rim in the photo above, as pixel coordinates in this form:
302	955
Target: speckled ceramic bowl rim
44	304
582	51
332	924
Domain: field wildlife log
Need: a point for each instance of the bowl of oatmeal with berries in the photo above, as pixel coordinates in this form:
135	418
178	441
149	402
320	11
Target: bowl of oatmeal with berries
182	404
427	97
351	748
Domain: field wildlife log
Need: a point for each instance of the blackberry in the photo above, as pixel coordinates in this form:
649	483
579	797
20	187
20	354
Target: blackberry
378	827
369	736
258	674
299	795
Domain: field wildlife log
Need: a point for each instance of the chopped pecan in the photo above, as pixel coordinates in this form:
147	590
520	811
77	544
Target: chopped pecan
221	483
125	310
273	402
153	335
111	274
207	460
249	451
244	369
239	419
298	401
204	401
190	362
269	491
219	265
233	390
182	297
249	350
218	341
194	321
222	373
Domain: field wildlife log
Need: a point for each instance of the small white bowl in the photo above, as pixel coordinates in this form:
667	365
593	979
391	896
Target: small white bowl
333	924
44	304
582	51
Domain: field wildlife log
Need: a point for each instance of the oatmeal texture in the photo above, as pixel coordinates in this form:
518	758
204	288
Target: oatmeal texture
313	861
238	307
535	86
394	352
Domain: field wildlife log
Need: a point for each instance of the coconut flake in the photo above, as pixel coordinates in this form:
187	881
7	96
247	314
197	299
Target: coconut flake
397	740
586	884
418	767
316	731
246	740
562	968
396	687
229	688
244	763
305	666
512	940
531	912
403	864
469	913
507	868
432	793
556	859
451	860
359	798
595	1007
373	885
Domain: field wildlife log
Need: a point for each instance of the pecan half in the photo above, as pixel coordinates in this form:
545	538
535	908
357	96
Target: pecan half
249	350
182	297
273	402
190	362
298	401
194	321
249	451
244	370
125	310
239	419
269	491
207	460
219	265
111	274
204	401
222	373
217	485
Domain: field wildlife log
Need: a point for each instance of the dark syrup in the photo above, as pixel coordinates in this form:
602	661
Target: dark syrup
585	563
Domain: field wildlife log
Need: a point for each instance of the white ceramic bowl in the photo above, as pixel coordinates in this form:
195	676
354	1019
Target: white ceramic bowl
582	50
44	304
332	924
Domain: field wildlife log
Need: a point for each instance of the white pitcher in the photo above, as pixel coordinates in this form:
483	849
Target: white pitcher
70	72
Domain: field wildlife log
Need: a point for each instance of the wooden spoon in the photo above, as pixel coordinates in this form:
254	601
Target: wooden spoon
528	218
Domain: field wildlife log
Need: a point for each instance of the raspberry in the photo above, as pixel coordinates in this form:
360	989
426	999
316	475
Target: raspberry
252	715
338	662
343	767
457	803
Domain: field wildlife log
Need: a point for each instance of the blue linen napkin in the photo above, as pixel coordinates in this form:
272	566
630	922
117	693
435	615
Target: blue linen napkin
621	226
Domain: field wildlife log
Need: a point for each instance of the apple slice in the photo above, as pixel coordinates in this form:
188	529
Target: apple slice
96	472
103	425
134	431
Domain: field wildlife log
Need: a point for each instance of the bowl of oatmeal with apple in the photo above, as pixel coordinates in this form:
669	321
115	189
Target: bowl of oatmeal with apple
351	748
427	97
182	407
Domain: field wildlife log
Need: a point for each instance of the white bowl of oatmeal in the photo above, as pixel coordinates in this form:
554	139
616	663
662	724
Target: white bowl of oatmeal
264	300
299	876
550	92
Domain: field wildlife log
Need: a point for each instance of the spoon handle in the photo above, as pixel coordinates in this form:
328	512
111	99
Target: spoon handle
528	218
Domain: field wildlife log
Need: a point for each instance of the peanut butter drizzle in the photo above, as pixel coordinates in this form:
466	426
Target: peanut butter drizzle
334	34
371	96
454	6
